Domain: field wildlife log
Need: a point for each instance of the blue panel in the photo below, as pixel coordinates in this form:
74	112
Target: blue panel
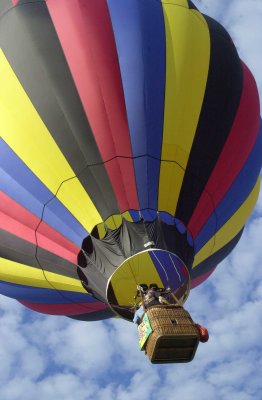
43	296
189	238
57	216
208	231
139	31
149	215
135	215
147	178
169	268
180	226
167	218
235	196
19	183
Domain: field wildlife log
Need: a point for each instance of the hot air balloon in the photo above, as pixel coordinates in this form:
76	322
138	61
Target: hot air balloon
130	151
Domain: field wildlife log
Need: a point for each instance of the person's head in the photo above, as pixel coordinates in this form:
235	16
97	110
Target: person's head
144	287
153	286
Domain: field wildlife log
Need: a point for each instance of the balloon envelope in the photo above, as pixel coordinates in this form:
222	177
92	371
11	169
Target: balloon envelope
129	130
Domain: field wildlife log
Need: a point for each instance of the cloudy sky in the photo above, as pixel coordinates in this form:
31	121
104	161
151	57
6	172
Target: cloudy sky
53	357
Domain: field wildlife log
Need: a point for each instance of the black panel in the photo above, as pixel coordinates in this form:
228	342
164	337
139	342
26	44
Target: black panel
95	279
20	2
5	5
15	249
21	251
94	316
221	101
54	263
191	5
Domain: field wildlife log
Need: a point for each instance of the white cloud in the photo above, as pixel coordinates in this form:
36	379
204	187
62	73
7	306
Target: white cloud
102	360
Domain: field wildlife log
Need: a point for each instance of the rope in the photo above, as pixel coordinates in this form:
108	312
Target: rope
161	266
175	268
172	294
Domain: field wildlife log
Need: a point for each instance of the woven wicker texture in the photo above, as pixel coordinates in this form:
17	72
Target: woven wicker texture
174	338
169	311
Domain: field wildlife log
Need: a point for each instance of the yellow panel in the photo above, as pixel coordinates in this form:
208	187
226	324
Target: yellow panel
24	131
187	63
101	231
124	284
127	216
169	170
182	3
114	222
13	272
139	269
231	228
61	282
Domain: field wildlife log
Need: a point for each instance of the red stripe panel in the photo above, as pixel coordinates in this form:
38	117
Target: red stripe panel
197	281
85	32
65	309
20	222
234	155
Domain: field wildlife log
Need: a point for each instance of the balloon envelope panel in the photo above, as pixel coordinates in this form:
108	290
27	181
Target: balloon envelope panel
125	125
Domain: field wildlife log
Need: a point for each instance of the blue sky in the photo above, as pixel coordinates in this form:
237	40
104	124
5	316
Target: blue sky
58	358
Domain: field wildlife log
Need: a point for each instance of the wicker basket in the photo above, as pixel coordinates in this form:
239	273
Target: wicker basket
174	338
170	311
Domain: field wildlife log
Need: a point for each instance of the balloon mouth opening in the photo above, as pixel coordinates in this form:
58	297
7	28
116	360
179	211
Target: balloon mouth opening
115	221
149	268
110	267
